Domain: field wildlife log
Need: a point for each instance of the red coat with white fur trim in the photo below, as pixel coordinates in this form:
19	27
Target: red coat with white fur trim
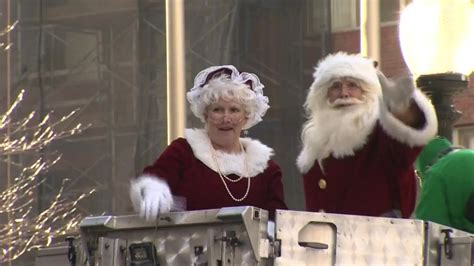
373	176
365	151
378	179
202	187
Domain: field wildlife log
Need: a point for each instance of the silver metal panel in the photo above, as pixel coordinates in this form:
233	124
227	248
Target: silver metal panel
237	236
461	252
309	238
57	255
227	236
52	256
461	246
105	252
434	245
111	251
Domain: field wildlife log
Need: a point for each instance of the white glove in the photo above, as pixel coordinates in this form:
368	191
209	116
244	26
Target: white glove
150	196
397	94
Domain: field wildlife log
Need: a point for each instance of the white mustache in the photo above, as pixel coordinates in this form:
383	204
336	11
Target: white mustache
346	101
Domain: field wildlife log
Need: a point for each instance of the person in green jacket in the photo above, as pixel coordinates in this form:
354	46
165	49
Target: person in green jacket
447	190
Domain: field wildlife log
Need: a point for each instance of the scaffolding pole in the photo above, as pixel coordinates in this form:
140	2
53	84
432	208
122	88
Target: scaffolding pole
175	60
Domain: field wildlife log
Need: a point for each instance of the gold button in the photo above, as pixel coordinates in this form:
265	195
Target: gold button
322	184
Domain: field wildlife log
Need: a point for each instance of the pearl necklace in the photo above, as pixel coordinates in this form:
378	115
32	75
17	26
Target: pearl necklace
224	177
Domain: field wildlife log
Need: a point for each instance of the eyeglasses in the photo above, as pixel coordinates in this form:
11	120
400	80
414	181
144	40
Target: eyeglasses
219	115
349	83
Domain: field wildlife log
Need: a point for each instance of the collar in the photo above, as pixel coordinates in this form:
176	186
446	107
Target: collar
257	154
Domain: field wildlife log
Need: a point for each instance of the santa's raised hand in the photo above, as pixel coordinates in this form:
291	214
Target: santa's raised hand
397	94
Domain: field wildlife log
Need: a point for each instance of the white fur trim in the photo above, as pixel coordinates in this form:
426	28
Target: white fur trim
305	159
257	154
138	185
406	134
340	65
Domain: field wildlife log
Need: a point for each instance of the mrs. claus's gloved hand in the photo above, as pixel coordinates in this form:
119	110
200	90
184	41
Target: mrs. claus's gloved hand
150	196
397	93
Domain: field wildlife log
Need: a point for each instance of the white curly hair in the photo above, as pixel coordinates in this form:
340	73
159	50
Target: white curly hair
225	82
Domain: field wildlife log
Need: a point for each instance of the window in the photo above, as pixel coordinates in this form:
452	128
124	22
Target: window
345	14
464	137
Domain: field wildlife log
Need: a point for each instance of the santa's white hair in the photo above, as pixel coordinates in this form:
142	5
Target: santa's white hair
338	131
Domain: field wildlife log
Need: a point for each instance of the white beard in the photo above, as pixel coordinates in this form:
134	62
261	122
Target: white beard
337	131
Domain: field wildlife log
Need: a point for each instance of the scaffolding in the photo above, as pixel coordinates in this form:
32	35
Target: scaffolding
90	60
108	59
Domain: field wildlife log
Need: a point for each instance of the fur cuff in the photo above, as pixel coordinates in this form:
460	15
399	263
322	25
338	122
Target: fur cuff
138	185
406	134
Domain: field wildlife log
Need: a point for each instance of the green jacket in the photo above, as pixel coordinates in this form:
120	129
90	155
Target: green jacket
447	183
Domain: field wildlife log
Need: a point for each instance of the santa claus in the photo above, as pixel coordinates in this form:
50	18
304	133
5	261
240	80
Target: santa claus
361	139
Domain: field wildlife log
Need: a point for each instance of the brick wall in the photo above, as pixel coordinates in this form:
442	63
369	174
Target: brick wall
464	102
393	65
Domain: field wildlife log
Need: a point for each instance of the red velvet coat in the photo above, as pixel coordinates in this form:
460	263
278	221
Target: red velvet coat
379	178
202	187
